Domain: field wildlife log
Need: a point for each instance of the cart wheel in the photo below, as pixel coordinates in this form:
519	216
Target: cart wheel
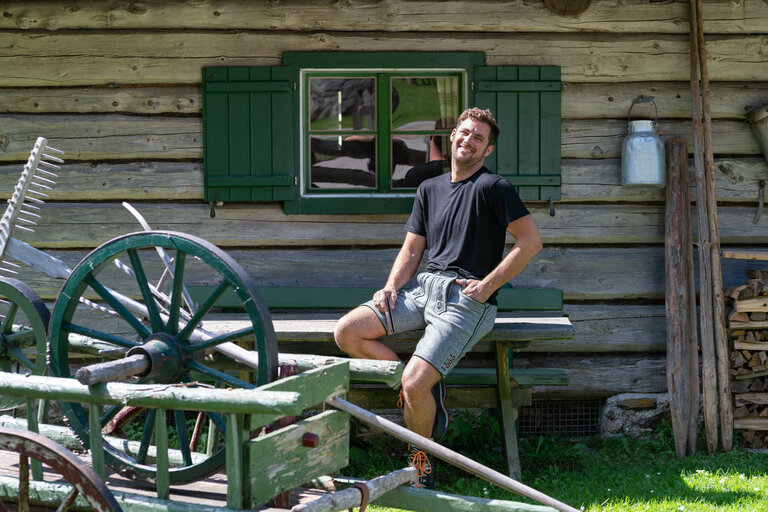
85	482
174	332
23	332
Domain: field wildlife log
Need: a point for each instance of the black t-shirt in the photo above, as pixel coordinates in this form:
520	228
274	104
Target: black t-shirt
465	222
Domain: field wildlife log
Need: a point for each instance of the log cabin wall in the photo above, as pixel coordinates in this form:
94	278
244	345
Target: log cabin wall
117	86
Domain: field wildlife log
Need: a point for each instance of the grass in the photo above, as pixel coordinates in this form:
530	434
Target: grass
596	475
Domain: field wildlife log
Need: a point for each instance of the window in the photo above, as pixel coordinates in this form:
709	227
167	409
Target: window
380	132
356	132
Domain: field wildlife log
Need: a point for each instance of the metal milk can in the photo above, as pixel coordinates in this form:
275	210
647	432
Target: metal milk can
642	151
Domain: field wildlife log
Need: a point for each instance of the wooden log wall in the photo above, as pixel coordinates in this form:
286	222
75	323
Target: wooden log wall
117	85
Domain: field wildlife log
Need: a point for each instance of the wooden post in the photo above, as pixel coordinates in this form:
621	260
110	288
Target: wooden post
507	411
718	299
708	366
677	290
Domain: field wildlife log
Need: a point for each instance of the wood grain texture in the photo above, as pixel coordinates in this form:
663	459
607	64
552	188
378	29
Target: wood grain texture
159	57
721	16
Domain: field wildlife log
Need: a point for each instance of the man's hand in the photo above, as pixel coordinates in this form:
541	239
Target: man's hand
383	295
474	289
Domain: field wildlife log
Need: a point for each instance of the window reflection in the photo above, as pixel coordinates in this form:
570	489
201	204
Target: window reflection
416	158
342	162
417	101
342	104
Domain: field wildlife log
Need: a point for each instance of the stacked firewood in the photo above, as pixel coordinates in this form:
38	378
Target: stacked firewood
747	311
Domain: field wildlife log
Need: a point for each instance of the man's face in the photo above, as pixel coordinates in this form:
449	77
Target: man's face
470	142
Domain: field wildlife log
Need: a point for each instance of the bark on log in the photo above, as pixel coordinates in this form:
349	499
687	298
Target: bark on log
677	297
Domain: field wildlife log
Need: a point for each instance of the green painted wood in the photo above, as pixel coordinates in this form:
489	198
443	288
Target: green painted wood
235	449
318	297
278	461
519	377
526	102
33	406
507	411
163	479
96	440
249	150
312	387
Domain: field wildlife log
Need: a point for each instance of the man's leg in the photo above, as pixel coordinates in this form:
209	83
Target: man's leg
357	333
419	377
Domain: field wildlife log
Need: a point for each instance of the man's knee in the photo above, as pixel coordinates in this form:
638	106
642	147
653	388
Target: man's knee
418	378
355	326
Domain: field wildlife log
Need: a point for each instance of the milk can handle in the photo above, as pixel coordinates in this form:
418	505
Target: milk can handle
643	99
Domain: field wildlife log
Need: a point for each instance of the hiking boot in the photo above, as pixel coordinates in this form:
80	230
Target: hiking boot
422	461
442	419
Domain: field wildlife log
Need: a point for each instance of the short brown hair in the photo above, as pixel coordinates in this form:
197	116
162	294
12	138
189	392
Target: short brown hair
483	116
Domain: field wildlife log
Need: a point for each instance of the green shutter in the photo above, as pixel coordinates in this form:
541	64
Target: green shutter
249	124
526	103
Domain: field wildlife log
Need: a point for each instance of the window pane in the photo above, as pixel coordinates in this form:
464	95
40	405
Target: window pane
342	104
342	163
418	157
418	103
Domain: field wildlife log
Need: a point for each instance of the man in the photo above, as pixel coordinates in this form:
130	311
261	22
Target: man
460	219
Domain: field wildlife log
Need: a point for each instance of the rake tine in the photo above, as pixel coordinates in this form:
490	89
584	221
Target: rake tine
40	184
38	193
54	158
24	228
45	179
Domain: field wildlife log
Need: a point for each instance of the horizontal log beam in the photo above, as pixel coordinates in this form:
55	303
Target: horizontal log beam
160	57
65	225
579	100
119	137
374	15
610	273
595	180
159	396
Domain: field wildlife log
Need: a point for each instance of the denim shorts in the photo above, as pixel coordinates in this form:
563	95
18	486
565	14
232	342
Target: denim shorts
452	322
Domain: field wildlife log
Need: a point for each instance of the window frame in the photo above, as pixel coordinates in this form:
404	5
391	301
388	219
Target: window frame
383	130
390	63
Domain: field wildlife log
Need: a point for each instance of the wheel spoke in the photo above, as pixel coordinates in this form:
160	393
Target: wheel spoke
146	293
92	333
10	316
218	340
16	354
146	436
216	418
219	376
69	500
181	431
117	306
203	310
178	286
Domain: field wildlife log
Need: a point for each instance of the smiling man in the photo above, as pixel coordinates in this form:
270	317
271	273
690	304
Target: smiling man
460	219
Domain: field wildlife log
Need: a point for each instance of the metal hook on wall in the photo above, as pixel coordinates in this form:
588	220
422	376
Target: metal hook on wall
760	201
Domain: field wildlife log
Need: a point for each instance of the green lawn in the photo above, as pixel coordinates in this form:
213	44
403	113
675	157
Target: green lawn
596	475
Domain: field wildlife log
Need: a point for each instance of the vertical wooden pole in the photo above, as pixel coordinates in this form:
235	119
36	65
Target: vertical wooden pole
694	398
162	465
235	448
96	440
507	411
708	367
677	290
33	426
718	299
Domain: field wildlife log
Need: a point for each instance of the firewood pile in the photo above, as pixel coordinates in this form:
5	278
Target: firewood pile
747	312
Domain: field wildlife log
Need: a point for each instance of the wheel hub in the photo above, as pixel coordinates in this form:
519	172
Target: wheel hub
165	356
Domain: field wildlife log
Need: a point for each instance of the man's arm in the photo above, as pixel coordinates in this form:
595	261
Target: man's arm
403	269
527	244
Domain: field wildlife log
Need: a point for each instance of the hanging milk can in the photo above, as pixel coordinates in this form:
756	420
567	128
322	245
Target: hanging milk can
642	151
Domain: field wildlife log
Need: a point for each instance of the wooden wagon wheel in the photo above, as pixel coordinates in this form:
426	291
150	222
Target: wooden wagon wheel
166	331
85	482
23	333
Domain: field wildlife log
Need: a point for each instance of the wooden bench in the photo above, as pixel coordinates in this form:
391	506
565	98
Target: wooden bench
304	319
